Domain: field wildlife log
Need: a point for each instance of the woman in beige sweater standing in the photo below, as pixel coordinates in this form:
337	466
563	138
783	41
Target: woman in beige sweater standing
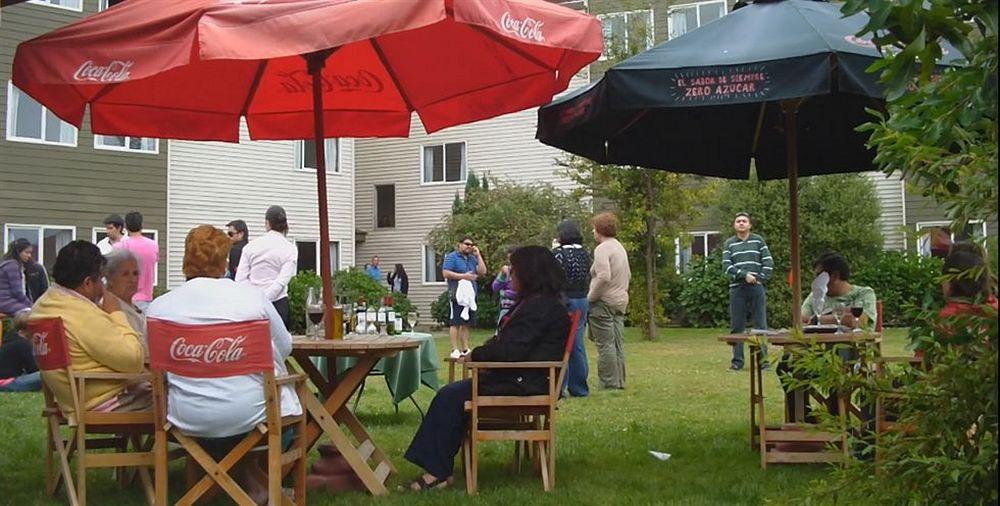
608	296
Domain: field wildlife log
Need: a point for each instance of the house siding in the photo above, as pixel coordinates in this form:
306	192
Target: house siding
217	182
892	219
921	209
65	185
503	148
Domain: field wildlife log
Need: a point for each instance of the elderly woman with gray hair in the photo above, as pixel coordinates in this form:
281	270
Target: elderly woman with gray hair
121	275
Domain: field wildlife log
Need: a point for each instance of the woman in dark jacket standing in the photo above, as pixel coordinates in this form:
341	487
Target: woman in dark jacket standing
398	280
535	330
575	261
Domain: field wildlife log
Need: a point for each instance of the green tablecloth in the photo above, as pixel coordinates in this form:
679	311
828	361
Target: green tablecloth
407	370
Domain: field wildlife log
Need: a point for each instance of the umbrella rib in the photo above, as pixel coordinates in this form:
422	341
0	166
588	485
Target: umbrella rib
756	132
253	87
392	75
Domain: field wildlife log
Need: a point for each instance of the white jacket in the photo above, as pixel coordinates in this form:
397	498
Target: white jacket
465	296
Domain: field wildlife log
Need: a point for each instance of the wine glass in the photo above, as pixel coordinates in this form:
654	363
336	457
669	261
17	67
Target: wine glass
413	318
856	312
839	309
314	310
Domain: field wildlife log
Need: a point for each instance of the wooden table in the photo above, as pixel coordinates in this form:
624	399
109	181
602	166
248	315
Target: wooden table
327	416
768	439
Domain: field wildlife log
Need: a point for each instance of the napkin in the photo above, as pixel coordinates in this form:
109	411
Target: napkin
819	291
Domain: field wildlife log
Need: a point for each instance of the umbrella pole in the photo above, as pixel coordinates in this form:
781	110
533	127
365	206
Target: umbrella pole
316	61
789	109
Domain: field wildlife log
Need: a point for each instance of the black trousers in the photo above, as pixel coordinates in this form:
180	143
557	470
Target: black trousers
440	435
281	306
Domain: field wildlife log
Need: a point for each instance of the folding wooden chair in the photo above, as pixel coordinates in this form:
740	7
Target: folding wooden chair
516	418
116	430
216	351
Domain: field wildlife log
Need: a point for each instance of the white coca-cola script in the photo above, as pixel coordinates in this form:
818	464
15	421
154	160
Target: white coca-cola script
219	351
40	343
112	72
528	28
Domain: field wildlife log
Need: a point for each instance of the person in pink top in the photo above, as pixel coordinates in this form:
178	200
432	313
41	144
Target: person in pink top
148	253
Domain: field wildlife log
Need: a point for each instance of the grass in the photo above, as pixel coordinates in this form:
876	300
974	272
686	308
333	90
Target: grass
680	399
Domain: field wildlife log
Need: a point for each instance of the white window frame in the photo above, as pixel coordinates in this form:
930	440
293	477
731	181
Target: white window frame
464	169
921	225
30	140
125	148
40	254
677	245
674	8
319	265
423	267
651	36
63	7
300	158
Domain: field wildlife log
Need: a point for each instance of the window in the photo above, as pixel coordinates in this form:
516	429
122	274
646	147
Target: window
682	19
308	259
51	238
385	206
702	244
929	230
103	5
432	266
29	121
123	143
73	5
443	163
305	155
626	32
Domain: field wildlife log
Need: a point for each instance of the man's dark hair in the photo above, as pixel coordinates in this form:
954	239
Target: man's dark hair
966	271
831	262
116	220
466	237
745	215
277	219
241	227
537	271
76	262
133	221
568	232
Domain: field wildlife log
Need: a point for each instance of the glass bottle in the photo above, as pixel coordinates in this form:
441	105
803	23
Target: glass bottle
361	317
392	326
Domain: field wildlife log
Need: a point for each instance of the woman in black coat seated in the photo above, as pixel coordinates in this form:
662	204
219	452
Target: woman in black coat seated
536	329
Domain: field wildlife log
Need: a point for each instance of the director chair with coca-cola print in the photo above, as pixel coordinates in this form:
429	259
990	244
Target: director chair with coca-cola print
115	430
221	350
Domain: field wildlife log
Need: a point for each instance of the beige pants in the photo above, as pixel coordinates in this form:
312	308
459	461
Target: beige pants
607	327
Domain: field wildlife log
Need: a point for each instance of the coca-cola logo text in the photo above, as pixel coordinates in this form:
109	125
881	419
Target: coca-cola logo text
40	342
300	81
113	72
527	28
221	350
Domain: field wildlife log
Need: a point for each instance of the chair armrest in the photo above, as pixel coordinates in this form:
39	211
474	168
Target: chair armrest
512	365
289	378
113	375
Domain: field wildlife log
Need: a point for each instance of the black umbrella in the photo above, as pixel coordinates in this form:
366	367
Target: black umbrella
779	82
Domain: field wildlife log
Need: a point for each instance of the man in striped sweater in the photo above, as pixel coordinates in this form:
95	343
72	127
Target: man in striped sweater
747	263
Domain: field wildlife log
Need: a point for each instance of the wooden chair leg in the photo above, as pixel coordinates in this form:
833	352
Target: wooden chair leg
467	466
543	459
161	461
473	466
274	492
516	465
81	464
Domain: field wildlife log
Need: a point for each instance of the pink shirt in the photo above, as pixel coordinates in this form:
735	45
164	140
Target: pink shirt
148	253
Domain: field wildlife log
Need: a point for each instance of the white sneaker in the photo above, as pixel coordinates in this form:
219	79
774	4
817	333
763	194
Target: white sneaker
466	352
455	354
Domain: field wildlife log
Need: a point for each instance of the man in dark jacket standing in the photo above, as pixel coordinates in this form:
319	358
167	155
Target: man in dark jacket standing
239	235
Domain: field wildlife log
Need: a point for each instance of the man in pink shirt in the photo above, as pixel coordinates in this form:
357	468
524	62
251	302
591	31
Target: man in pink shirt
148	253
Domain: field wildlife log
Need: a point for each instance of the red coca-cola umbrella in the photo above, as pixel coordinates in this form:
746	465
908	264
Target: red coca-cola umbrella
299	69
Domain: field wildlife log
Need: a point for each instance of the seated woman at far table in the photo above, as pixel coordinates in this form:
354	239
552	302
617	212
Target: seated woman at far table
536	329
839	291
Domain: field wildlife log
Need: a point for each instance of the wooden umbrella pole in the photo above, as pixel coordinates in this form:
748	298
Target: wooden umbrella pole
316	61
790	108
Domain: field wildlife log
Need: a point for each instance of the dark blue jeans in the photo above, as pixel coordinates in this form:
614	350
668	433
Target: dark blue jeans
744	298
577	369
31	382
440	435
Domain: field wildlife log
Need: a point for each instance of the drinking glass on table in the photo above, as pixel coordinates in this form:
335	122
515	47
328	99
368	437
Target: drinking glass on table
314	310
839	310
856	312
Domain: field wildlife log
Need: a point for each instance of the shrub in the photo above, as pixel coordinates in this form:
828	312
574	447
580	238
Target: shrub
349	284
298	287
901	282
704	293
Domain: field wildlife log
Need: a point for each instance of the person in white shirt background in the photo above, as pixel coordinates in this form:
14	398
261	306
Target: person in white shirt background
269	262
113	226
220	411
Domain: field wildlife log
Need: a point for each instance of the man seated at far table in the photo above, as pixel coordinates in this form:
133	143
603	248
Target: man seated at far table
839	291
98	334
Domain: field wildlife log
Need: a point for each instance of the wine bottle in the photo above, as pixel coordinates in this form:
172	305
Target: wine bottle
390	317
360	319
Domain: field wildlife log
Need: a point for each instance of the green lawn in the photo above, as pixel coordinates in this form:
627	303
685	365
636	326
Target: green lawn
680	400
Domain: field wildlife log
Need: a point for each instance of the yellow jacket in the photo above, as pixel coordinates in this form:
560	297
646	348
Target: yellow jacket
97	342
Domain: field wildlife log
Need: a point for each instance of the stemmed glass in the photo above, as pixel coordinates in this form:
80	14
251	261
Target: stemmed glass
314	310
856	312
413	317
839	310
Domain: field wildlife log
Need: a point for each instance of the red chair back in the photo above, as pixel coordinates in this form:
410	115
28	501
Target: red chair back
878	316
48	342
574	324
210	351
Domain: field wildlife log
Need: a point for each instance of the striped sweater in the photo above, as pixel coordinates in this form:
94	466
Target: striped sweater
750	256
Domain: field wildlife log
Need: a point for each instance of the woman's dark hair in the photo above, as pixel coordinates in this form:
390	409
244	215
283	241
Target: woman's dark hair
537	272
398	270
277	218
241	227
15	249
966	271
76	262
568	232
831	262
